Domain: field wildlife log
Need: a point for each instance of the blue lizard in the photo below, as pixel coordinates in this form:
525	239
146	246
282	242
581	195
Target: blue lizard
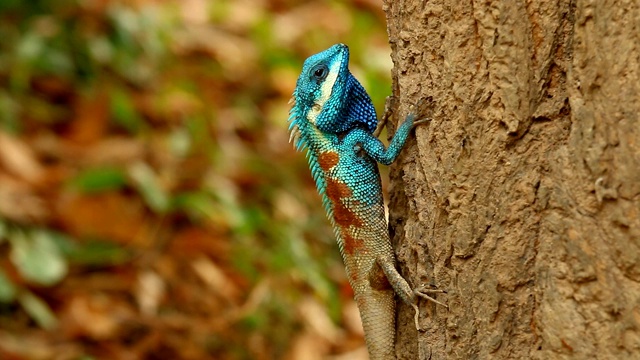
333	118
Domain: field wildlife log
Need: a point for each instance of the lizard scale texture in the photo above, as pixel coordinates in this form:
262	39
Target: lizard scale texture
333	118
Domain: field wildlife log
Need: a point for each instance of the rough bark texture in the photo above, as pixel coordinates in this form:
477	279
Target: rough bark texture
522	196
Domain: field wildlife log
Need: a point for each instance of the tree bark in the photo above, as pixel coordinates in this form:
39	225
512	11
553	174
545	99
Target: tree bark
521	197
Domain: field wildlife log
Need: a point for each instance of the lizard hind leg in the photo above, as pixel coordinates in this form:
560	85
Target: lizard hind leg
402	288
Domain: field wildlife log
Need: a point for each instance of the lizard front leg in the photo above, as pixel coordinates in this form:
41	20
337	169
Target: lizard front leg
421	108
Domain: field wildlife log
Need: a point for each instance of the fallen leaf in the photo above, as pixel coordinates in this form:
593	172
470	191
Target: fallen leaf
18	158
37	256
149	292
98	316
319	322
19	202
215	278
110	216
91	118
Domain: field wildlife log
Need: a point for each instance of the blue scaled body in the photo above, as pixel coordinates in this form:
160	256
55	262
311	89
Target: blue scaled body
332	111
333	118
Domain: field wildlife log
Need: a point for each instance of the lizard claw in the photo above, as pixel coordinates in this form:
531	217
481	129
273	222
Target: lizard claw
419	122
424	292
416	317
422	110
424	106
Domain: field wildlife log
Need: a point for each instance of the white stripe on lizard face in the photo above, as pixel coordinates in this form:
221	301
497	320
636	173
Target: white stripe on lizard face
325	92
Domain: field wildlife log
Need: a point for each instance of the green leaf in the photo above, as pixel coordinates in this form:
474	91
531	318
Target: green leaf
149	186
98	253
31	47
7	289
4	230
37	256
124	112
9	110
180	142
198	205
100	179
38	310
91	252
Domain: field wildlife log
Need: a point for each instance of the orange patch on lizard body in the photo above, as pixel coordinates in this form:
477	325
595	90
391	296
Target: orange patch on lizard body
351	244
343	216
327	160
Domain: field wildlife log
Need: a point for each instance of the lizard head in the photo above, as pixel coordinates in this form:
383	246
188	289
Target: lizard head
328	97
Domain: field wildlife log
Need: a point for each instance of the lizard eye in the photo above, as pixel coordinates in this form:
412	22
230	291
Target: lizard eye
319	72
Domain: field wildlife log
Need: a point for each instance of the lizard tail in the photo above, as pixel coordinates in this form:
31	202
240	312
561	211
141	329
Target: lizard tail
377	310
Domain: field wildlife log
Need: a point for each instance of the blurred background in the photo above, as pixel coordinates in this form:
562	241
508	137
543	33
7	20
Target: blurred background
151	206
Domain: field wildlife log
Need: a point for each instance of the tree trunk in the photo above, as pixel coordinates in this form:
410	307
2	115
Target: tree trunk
521	197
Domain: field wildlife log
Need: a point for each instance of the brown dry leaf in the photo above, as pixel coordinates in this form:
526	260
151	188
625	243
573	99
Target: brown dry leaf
19	202
50	146
216	279
289	28
113	150
287	207
283	80
237	55
108	215
180	104
18	159
259	293
14	346
149	292
319	322
191	242
307	346
91	119
243	14
351	318
194	11
97	316
357	354
120	280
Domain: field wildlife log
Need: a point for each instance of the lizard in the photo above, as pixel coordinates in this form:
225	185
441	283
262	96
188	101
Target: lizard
333	119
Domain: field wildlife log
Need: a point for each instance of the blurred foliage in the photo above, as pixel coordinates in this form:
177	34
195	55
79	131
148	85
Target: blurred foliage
150	203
